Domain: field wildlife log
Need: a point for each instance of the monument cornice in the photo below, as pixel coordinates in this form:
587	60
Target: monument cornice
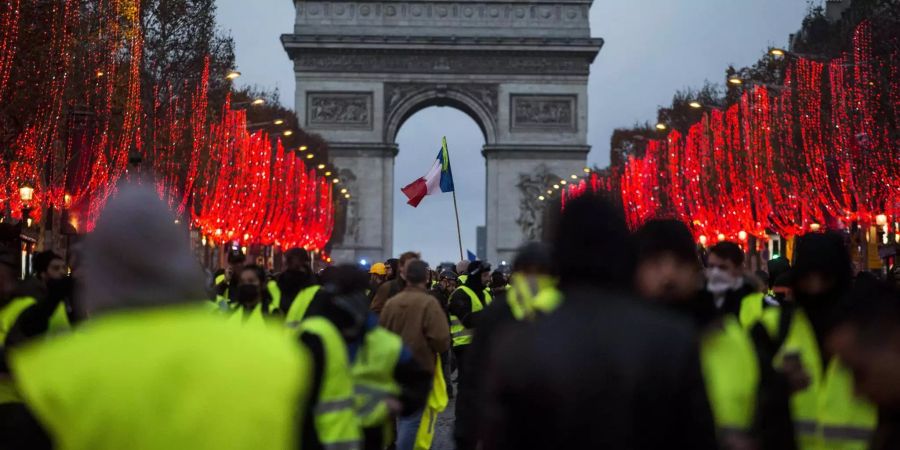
296	42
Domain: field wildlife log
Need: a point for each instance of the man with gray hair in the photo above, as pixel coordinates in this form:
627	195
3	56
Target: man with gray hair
152	361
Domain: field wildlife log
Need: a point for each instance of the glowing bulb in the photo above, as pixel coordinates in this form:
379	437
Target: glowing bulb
703	240
695	104
328	173
257	101
721	237
321	166
661	126
309	156
881	220
815	227
344	191
278	121
288	132
232	75
742	235
541	197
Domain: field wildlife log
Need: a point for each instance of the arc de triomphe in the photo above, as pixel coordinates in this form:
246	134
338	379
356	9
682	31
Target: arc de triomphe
518	68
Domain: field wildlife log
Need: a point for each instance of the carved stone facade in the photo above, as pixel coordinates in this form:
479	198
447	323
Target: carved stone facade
518	68
531	208
339	109
542	111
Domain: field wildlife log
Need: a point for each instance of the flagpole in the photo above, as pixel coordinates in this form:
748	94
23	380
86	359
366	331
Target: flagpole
455	208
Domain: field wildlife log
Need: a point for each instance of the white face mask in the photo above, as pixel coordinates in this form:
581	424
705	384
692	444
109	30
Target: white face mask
719	281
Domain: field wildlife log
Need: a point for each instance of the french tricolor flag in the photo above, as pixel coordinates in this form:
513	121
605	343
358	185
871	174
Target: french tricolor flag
438	179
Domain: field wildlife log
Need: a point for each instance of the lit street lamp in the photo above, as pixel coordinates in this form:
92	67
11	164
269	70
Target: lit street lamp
232	75
26	195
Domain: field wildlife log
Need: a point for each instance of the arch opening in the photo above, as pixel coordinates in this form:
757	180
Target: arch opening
431	227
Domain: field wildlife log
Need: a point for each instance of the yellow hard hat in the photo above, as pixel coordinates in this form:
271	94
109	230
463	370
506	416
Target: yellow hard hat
378	269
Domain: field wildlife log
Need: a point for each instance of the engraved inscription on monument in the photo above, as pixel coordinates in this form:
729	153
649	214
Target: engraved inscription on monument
343	109
543	112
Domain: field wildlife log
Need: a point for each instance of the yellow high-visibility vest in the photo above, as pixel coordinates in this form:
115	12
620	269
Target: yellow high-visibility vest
336	422
751	310
827	414
297	312
373	376
520	298
460	334
731	371
166	378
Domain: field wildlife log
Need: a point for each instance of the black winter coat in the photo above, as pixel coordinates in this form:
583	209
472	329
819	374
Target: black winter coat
604	371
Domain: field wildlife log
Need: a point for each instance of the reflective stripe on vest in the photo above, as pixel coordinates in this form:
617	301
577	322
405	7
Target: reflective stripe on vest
731	374
336	421
373	376
827	414
460	334
301	303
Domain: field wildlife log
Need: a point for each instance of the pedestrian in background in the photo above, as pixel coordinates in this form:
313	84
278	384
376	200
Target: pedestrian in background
393	287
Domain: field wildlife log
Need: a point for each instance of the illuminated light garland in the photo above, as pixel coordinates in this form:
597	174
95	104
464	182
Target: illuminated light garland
75	146
819	150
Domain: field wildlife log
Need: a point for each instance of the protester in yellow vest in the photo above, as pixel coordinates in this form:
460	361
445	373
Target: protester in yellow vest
732	291
151	368
466	304
291	283
226	280
332	423
50	287
668	273
531	274
868	343
254	304
827	413
387	378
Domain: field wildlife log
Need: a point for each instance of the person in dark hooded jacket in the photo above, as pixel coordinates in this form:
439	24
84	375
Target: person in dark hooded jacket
602	371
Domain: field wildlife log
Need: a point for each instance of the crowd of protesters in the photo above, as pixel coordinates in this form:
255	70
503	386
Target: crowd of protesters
597	338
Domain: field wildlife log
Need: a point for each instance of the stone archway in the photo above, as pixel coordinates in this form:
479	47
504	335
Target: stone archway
519	69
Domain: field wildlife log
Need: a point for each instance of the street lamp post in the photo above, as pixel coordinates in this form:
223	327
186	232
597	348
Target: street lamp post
26	195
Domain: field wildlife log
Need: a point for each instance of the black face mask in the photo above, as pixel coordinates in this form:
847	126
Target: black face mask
247	293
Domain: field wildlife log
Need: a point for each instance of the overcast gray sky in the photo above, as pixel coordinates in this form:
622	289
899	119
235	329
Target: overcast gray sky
653	48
